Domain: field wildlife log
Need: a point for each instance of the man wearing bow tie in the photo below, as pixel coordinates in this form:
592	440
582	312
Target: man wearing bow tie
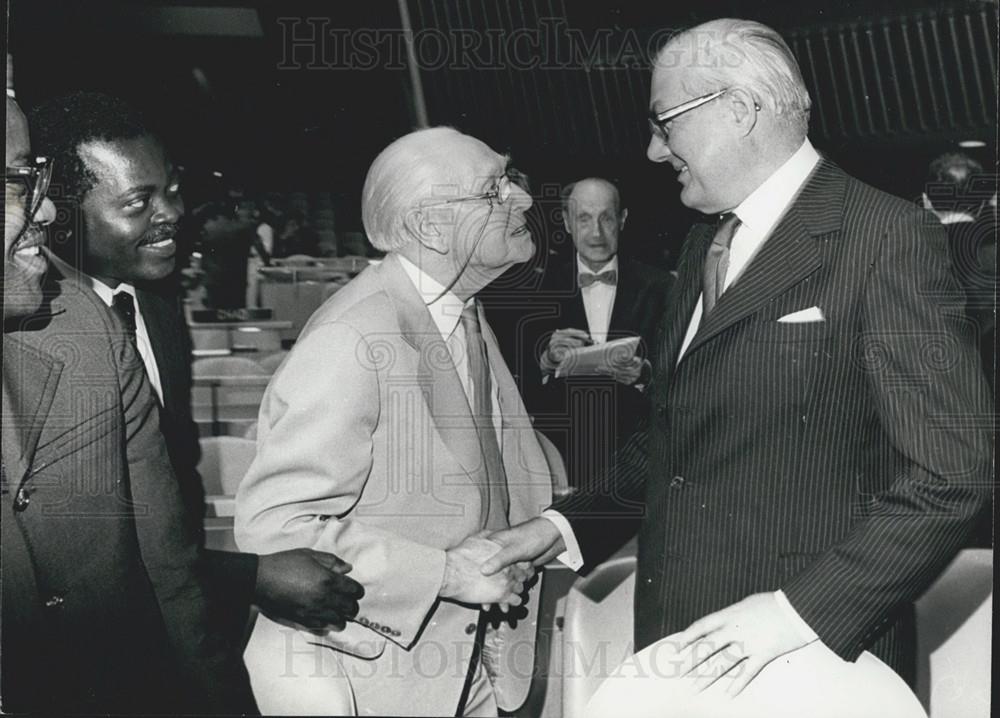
598	297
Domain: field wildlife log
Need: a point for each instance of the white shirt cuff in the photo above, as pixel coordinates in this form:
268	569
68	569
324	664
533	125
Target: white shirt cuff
805	632
572	556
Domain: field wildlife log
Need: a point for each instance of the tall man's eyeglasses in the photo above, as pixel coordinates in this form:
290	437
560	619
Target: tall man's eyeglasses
32	183
658	120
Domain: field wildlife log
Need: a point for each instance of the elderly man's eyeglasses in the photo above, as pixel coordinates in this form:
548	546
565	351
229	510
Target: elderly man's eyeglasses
30	183
500	193
658	120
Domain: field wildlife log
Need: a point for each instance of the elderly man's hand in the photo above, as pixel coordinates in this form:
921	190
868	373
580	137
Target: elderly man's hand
307	587
561	341
466	583
743	638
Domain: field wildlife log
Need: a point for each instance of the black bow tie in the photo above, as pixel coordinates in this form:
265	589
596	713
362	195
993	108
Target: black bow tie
585	279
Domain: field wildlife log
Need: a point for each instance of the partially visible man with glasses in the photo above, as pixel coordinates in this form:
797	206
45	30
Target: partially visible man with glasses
26	211
394	436
101	609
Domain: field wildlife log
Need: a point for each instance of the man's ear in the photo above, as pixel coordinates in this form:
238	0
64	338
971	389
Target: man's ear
621	219
420	224
745	109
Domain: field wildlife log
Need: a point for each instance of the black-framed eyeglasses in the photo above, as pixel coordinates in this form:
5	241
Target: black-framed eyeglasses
658	120
33	183
500	193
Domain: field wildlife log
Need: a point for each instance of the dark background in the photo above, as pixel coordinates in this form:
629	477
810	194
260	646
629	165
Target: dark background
894	83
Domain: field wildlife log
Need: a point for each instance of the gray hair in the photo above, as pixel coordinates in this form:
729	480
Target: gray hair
742	53
403	173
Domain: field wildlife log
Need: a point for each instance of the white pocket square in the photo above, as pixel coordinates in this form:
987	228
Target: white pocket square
812	314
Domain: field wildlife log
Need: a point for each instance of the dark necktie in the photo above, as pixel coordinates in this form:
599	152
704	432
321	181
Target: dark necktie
717	261
124	307
479	376
585	279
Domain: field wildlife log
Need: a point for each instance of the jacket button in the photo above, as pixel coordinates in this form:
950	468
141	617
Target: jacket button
677	482
54	601
22	500
470	629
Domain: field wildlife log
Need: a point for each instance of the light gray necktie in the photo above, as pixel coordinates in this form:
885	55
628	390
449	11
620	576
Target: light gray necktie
482	410
717	261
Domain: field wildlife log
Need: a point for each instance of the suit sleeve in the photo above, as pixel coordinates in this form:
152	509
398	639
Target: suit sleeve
615	505
932	405
314	459
211	667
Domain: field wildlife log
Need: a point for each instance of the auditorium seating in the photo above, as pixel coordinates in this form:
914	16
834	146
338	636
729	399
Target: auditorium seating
227	393
224	462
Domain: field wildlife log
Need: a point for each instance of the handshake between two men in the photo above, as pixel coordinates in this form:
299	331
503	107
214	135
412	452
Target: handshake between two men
495	568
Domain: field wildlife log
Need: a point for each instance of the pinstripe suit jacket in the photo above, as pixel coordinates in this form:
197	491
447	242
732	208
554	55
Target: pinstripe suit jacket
842	461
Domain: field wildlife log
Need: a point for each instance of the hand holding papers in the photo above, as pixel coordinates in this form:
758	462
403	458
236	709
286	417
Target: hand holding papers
598	359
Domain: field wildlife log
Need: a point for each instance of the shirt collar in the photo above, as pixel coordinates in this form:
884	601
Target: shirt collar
764	206
584	269
446	309
107	294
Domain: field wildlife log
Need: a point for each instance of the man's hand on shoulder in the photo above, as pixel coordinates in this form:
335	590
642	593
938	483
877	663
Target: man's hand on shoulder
742	638
308	587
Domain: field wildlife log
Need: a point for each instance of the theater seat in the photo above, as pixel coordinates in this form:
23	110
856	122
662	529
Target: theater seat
224	462
954	626
597	633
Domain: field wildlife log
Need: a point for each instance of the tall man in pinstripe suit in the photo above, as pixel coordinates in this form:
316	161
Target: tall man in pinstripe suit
818	445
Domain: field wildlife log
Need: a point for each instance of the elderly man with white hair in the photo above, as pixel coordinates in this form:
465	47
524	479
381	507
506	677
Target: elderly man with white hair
394	435
818	446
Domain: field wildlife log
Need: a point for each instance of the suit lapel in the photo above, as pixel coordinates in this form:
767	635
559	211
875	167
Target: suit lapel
790	254
436	375
528	482
687	290
30	379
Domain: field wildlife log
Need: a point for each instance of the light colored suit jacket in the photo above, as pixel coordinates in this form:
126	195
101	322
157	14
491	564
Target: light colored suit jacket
366	448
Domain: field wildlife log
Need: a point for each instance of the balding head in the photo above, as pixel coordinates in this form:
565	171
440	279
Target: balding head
594	217
423	165
444	201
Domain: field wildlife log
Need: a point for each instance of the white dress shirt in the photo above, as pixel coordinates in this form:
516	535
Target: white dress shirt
446	313
758	214
598	300
107	295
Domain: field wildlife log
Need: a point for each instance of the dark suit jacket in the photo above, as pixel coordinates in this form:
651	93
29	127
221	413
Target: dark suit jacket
102	608
842	461
231	576
589	418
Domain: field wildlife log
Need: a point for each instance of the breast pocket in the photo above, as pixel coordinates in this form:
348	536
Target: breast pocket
786	357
